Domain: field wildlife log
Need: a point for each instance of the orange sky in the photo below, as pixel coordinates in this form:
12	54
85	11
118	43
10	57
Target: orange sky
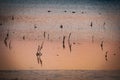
84	55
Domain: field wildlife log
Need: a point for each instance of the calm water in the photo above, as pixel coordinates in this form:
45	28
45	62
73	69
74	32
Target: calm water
59	75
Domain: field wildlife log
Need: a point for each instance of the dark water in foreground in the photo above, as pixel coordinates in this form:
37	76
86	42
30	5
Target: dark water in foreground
59	75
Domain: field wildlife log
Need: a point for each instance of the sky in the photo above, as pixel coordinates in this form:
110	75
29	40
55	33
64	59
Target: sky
64	2
85	39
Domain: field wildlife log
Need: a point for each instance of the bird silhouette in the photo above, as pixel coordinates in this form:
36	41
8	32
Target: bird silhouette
39	54
48	36
6	39
63	42
101	45
61	26
65	11
82	12
35	26
69	44
106	54
23	37
44	34
12	17
73	12
49	11
91	24
74	43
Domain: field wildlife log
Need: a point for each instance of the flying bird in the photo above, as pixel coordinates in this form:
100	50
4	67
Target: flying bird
39	54
35	26
48	37
101	45
49	11
69	44
65	11
82	12
23	37
5	41
74	43
61	26
91	24
6	38
106	55
12	17
63	42
44	34
73	12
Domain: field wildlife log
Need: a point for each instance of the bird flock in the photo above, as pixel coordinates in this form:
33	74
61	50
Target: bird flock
7	41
